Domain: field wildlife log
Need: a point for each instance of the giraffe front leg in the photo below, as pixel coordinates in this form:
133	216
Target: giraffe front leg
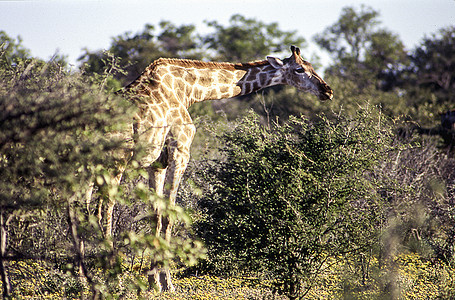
157	176
110	206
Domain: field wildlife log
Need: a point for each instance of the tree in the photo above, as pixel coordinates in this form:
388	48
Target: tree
363	53
430	79
349	36
248	39
433	62
179	41
11	50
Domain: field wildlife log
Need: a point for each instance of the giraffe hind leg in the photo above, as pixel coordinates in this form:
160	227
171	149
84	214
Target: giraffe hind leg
179	156
157	172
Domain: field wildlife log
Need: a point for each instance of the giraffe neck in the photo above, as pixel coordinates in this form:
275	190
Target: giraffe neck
259	77
188	81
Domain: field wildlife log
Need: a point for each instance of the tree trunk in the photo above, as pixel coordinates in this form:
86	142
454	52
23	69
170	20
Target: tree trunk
4	273
78	244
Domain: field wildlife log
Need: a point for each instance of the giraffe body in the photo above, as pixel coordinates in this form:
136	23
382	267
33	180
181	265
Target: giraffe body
165	91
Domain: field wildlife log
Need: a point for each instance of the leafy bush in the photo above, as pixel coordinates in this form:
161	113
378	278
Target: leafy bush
286	199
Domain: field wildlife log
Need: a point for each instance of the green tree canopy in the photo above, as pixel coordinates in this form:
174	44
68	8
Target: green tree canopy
11	50
245	39
363	52
350	35
433	65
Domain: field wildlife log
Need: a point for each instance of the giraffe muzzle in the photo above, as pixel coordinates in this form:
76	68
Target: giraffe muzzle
327	94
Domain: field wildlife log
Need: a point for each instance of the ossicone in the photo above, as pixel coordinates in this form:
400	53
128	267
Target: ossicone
295	50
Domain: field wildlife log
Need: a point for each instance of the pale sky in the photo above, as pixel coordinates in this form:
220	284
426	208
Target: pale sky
68	26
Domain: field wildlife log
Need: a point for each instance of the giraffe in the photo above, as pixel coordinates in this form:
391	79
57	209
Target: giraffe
164	92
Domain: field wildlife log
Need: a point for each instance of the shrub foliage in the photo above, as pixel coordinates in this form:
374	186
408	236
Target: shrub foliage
285	199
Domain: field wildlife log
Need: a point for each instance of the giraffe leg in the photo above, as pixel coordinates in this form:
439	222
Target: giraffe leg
110	207
111	201
153	135
178	160
178	147
157	174
160	277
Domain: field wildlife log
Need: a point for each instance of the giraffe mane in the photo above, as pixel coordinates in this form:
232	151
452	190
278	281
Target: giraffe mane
189	63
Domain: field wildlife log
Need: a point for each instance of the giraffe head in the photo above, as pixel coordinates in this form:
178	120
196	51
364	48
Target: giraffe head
300	73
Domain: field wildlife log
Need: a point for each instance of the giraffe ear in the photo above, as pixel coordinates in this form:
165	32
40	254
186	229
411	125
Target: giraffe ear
275	62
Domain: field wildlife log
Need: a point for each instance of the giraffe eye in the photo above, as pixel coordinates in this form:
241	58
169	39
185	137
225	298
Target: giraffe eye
300	71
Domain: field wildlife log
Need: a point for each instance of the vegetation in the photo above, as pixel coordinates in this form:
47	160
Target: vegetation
59	134
284	200
294	198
